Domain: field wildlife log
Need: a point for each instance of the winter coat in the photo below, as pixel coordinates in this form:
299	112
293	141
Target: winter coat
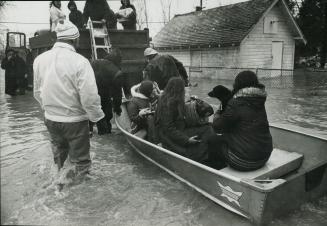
244	125
174	135
15	69
160	69
76	17
65	86
55	16
130	23
138	102
107	76
181	70
98	10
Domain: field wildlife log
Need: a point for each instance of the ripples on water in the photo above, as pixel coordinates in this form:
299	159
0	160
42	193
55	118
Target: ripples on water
124	189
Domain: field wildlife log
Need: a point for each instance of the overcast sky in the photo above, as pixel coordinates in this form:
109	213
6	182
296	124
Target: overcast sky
34	15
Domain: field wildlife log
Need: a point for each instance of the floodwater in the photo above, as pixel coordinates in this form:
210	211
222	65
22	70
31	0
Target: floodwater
124	188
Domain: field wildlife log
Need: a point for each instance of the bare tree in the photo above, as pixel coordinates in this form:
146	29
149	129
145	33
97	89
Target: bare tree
166	10
142	14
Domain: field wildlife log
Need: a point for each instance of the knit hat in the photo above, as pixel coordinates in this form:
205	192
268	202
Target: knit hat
149	51
146	88
66	31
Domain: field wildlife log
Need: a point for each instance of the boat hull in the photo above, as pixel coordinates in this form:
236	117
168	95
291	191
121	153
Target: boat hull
258	200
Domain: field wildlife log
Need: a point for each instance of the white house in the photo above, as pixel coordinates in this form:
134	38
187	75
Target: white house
257	34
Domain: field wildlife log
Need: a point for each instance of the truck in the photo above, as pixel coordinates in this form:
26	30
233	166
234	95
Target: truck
132	44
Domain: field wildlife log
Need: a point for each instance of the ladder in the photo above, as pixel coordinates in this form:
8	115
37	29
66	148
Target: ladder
98	31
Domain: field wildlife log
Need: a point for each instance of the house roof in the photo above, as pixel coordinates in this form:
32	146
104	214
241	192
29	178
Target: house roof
222	26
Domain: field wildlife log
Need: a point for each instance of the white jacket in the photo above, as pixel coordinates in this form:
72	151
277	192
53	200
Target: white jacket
55	16
65	87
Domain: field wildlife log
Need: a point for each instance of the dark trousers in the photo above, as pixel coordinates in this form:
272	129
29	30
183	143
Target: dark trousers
70	139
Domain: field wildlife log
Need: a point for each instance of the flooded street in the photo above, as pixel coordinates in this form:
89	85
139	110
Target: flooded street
124	188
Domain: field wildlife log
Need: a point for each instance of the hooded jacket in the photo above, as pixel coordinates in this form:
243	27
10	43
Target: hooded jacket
244	125
138	102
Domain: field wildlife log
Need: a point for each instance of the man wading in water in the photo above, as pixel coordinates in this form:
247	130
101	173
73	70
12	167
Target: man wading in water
64	85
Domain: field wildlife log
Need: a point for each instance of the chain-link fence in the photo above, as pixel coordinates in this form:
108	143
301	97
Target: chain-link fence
271	78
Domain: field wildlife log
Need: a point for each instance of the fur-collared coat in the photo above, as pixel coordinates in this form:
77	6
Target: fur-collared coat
245	126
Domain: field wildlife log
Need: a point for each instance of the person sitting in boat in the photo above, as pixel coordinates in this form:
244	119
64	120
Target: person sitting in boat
109	79
246	142
162	67
172	131
141	109
127	15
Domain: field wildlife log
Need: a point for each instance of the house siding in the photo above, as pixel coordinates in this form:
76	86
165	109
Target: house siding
254	52
256	48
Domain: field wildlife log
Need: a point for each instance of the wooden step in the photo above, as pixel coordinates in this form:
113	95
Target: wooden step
279	164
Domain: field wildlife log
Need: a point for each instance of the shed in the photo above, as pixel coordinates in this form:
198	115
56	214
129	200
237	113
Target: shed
257	34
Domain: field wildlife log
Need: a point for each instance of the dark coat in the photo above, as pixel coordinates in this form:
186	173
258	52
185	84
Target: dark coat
131	22
98	10
160	69
107	76
244	125
15	70
133	108
174	135
76	17
181	70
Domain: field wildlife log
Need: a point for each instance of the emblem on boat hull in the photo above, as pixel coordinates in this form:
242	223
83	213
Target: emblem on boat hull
232	196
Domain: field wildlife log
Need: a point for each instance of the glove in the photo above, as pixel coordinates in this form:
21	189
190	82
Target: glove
102	127
118	110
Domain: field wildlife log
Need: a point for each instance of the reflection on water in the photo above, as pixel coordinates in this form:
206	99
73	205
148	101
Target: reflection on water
125	189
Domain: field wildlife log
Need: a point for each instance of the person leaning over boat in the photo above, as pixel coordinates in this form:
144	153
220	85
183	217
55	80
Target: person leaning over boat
56	15
246	142
109	79
170	123
161	67
65	87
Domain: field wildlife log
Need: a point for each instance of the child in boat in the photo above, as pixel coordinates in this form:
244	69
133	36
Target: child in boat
141	108
190	142
246	142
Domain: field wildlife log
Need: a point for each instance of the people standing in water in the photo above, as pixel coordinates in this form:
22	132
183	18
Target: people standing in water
75	16
245	142
127	15
66	89
15	70
56	15
190	142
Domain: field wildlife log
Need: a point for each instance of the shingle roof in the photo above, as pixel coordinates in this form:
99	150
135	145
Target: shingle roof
221	26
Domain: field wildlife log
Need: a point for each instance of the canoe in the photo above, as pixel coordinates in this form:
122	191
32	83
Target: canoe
295	173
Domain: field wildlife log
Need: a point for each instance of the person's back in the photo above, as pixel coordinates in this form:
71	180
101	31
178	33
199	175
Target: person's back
244	124
98	10
160	69
65	74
